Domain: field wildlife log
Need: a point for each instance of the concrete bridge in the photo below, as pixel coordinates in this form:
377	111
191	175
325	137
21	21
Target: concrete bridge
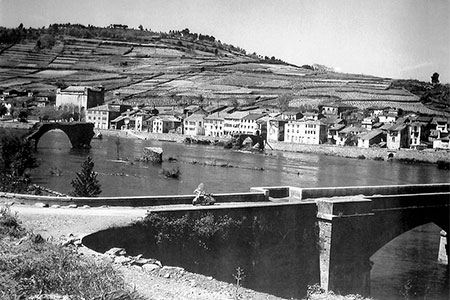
80	134
353	222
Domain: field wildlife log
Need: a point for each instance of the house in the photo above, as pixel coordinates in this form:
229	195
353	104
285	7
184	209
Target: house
291	115
77	99
387	118
194	109
373	137
125	121
333	132
232	123
440	124
312	115
348	135
305	132
375	111
398	136
214	125
102	115
368	122
275	129
165	124
442	143
334	109
250	125
194	125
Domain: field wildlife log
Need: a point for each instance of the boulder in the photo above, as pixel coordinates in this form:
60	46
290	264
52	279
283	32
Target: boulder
116	252
153	154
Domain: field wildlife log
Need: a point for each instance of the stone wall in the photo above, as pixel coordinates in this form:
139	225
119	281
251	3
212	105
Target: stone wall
429	155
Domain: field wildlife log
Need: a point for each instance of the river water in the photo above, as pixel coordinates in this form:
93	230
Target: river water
406	268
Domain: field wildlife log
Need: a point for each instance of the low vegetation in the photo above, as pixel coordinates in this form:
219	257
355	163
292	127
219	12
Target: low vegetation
31	266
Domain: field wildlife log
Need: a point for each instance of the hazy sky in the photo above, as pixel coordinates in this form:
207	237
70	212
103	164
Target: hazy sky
391	38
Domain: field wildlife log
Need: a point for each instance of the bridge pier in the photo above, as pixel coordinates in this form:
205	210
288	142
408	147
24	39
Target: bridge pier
443	249
344	234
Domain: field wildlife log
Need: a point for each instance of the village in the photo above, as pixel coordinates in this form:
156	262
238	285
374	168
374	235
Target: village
330	123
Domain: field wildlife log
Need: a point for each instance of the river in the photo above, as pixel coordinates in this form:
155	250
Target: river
406	268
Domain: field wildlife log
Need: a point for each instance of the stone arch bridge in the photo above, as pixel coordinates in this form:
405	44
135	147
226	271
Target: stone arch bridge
352	223
80	134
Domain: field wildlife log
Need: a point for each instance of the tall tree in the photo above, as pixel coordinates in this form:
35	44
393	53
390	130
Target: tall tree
86	183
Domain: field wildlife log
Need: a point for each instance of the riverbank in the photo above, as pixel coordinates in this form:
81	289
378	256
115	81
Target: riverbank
431	156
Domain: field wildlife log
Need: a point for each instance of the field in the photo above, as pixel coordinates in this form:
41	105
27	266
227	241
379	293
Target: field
160	70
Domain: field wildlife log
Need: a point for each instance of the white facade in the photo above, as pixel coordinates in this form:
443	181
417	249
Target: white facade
232	123
305	132
214	125
194	125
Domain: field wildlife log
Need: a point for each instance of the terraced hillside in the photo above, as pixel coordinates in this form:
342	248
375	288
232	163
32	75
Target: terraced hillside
166	70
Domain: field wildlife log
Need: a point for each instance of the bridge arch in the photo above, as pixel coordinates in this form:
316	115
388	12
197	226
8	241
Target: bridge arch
80	134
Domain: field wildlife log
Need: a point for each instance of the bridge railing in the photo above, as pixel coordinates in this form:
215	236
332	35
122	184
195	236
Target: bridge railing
296	193
133	201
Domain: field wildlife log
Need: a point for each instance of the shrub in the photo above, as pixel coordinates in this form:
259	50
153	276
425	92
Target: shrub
9	223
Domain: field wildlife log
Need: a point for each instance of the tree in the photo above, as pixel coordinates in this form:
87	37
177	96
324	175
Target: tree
435	78
141	28
17	155
86	183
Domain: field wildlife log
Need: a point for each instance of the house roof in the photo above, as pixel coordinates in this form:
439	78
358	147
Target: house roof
105	107
397	127
237	115
352	129
216	116
253	117
370	135
195	117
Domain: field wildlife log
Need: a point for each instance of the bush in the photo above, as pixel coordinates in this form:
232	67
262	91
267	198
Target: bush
9	223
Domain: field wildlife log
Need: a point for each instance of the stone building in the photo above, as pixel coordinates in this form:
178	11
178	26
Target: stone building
77	99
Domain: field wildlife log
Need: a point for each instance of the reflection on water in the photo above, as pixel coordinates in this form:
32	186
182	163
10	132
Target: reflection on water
406	266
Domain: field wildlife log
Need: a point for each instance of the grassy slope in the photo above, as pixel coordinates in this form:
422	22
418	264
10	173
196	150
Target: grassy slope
165	71
29	266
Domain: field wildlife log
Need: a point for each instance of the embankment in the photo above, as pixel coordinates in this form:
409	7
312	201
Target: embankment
407	155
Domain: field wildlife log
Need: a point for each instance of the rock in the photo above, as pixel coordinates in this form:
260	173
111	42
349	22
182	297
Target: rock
55	206
72	206
153	154
150	267
85	206
122	260
144	261
116	252
168	271
40	204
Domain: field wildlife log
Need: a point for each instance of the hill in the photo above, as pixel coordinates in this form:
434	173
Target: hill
144	67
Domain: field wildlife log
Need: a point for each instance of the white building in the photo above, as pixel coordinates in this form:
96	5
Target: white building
305	132
214	125
194	125
250	124
232	123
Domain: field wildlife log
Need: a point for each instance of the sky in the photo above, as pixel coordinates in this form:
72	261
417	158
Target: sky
389	38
